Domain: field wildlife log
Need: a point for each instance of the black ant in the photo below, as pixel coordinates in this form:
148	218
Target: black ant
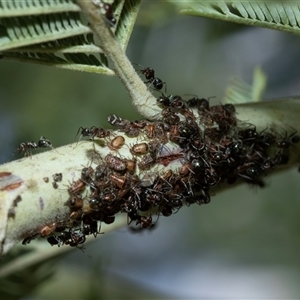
109	13
27	146
200	103
175	103
164	101
44	143
149	74
118	122
93	132
24	147
287	141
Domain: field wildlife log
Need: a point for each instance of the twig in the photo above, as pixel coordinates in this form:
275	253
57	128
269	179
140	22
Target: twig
142	99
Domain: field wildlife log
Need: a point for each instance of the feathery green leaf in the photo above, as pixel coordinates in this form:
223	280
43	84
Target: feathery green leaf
284	16
126	21
51	32
241	92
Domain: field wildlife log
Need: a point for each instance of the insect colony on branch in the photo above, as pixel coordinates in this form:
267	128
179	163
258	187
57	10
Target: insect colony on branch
175	162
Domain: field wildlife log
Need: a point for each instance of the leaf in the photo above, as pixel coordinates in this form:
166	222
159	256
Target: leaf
127	20
75	62
51	32
241	92
18	31
283	16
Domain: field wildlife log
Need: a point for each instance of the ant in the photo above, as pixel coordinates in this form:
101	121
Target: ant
107	11
93	132
27	146
176	103
24	147
44	143
164	101
149	74
201	104
131	129
287	141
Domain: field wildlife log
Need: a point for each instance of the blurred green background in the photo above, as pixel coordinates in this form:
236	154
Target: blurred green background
246	242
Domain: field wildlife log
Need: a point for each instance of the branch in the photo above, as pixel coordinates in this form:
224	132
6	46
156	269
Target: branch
142	99
33	203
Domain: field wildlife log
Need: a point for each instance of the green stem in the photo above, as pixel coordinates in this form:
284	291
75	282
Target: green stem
142	99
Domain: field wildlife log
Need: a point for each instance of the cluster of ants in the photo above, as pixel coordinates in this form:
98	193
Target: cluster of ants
176	161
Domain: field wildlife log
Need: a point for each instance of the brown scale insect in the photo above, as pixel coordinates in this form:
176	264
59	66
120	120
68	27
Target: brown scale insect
76	187
167	175
118	180
47	229
174	135
115	162
116	143
185	169
130	165
166	159
149	130
75	215
158	131
132	181
139	149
